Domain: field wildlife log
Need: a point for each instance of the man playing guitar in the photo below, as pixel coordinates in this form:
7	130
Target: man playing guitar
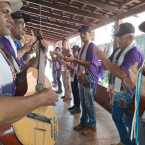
13	108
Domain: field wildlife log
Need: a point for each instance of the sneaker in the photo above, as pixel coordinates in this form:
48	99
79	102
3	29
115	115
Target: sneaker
71	108
120	143
88	130
67	99
58	91
62	97
80	126
54	85
76	110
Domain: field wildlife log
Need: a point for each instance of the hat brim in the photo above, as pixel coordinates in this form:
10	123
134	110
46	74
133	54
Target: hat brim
118	34
84	30
26	19
14	4
142	27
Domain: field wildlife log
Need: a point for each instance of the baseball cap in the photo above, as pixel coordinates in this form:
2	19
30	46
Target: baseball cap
75	48
85	28
125	28
18	15
142	27
15	4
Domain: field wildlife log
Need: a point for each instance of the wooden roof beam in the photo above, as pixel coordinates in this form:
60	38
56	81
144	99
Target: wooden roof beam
47	30
68	9
46	38
55	23
35	12
35	22
84	5
69	4
104	6
55	1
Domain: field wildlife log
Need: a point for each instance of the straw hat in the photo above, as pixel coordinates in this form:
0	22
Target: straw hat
15	4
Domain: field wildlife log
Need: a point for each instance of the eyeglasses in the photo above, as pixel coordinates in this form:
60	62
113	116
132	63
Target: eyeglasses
22	23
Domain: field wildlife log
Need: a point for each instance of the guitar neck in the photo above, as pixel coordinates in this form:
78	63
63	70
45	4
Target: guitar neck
41	67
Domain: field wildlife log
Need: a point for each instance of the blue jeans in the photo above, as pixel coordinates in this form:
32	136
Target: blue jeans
88	108
54	76
121	124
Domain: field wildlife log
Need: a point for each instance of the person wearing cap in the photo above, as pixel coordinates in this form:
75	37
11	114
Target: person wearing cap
11	42
74	82
122	58
133	74
87	73
17	33
14	108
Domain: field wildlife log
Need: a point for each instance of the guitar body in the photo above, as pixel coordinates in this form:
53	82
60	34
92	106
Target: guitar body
141	105
7	136
29	131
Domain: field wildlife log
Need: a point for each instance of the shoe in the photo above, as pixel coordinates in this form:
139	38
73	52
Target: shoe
67	99
88	130
80	126
58	91
59	88
71	108
76	110
120	143
62	97
54	85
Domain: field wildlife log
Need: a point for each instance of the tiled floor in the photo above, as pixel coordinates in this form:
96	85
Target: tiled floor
106	131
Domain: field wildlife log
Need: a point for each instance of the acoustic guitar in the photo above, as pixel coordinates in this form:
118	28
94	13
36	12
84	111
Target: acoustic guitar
40	127
141	104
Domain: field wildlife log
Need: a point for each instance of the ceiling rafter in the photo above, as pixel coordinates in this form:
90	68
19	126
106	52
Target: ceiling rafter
46	38
47	32
75	13
34	11
68	9
69	4
104	6
60	25
36	22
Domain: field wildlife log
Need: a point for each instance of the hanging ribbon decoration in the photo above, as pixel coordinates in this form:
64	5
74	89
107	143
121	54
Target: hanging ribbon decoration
135	122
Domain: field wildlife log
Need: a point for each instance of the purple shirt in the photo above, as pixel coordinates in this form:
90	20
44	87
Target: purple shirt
133	55
91	77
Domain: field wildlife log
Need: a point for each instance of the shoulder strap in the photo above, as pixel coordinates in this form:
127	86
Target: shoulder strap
10	56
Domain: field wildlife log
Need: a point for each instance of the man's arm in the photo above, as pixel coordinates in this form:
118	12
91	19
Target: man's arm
69	66
114	69
33	62
103	66
13	109
26	48
80	62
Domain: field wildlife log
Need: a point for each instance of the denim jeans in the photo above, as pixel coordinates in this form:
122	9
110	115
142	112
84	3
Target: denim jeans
88	108
75	92
54	76
122	125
